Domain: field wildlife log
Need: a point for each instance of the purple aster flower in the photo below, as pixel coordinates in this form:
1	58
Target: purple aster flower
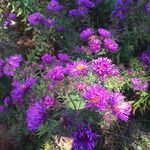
1	108
81	49
77	68
83	2
35	18
121	13
139	85
35	116
66	120
84	138
1	64
145	57
120	108
118	4
73	12
86	33
7	100
63	57
49	22
104	33
54	5
47	58
104	67
130	72
60	28
98	1
91	4
111	45
95	45
96	96
48	101
20	87
11	16
57	73
82	10
148	7
6	23
12	63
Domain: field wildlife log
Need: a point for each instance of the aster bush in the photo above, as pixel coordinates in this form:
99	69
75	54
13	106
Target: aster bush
73	81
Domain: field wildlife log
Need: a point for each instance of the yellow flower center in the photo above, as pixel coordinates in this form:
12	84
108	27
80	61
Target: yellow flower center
15	58
11	63
95	99
23	87
49	22
80	67
35	17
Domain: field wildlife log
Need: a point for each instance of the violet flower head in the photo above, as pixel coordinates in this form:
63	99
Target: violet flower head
47	58
96	96
66	120
11	16
1	108
35	18
91	4
48	101
1	65
84	138
121	13
12	63
86	33
54	5
111	45
104	67
139	85
76	68
120	108
145	57
7	100
148	7
57	73
104	33
63	57
95	45
73	12
60	28
82	10
6	23
49	22
20	87
83	2
35	116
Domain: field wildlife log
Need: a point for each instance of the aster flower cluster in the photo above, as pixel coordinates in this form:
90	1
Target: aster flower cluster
120	8
95	42
38	18
103	100
139	85
10	18
20	87
83	6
